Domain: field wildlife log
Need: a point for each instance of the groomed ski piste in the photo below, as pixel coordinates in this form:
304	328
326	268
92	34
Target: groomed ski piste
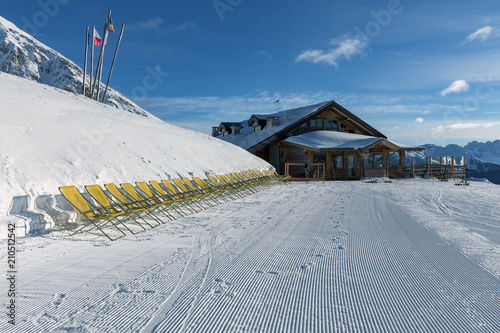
407	256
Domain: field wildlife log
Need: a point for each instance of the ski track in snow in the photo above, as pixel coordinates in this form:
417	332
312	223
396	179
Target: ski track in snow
317	257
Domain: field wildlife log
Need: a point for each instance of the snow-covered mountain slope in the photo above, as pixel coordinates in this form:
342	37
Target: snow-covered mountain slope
24	56
50	137
486	151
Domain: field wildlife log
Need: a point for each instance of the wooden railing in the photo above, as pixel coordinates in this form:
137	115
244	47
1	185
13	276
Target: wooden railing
313	172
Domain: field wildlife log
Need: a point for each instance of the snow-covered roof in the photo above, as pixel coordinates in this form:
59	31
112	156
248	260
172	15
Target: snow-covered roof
332	140
247	139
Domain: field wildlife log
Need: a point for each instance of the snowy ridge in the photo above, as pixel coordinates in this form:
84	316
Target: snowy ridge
50	138
24	56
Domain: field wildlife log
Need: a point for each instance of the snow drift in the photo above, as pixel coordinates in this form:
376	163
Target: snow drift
50	138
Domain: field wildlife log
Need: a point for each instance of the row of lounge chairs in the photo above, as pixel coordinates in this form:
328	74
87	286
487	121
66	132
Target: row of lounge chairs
116	212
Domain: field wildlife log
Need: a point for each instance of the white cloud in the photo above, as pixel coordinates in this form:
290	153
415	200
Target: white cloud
482	34
156	24
456	87
264	54
151	24
346	47
186	26
465	126
419	120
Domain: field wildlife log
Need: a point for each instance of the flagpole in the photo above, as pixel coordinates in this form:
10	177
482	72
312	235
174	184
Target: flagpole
113	63
97	66
91	88
101	56
85	63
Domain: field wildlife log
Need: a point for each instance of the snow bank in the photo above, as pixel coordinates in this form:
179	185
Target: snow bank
50	138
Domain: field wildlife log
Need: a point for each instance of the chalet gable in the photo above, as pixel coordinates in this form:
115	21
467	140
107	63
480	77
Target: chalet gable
261	130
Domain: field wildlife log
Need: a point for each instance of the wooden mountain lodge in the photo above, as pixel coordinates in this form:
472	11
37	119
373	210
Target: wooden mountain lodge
321	141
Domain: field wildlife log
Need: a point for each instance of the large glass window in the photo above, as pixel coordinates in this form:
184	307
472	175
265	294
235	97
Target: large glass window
394	160
319	158
331	125
338	162
303	128
316	125
373	161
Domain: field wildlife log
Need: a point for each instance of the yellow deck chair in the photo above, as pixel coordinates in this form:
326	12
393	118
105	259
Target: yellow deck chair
203	193
138	207
163	202
147	202
184	190
217	192
176	199
98	218
228	188
229	182
179	195
96	192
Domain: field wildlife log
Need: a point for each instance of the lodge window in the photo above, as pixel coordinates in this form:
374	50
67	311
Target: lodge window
338	162
256	128
394	160
303	128
373	161
331	125
319	158
316	125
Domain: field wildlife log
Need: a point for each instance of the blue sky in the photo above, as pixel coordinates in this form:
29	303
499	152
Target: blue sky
418	71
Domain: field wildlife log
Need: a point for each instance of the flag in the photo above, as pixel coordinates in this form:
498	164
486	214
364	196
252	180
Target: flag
110	25
97	38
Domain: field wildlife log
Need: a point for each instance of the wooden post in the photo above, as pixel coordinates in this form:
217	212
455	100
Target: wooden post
97	78
453	167
413	166
91	88
103	46
113	63
328	167
85	62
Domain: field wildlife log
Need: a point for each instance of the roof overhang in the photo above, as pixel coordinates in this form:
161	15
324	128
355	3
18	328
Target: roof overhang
321	141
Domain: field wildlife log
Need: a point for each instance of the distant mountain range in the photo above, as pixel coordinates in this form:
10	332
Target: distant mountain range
24	56
482	158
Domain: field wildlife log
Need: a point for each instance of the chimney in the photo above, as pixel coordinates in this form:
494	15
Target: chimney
271	121
215	131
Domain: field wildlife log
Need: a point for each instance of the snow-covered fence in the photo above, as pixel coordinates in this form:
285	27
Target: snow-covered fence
440	167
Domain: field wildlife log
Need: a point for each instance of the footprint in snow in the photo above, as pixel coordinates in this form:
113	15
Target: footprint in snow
223	283
58	299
